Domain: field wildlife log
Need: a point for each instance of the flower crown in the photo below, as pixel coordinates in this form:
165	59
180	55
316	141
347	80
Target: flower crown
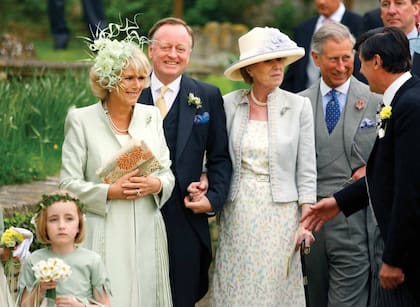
110	55
50	199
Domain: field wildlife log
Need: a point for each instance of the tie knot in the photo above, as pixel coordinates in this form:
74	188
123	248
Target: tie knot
163	90
333	93
326	20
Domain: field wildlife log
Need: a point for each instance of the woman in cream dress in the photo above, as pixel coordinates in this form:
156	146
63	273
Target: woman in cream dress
125	225
271	144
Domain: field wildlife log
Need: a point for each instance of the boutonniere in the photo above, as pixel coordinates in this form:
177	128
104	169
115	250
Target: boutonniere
384	114
360	104
194	101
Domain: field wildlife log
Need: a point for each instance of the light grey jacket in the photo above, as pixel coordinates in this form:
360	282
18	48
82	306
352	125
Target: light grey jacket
291	144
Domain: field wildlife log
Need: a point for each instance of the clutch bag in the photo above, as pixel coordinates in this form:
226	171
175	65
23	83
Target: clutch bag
134	155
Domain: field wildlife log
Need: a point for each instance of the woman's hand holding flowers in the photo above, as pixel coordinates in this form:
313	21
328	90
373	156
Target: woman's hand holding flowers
47	285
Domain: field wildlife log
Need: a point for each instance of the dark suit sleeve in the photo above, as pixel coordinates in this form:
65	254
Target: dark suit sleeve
296	76
403	227
371	20
218	164
353	197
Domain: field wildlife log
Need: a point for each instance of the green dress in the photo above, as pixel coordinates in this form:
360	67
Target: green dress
88	273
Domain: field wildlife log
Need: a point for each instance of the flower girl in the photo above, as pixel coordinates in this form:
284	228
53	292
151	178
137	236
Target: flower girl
62	274
5	296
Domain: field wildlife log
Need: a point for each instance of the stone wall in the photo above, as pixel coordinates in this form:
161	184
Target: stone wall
216	45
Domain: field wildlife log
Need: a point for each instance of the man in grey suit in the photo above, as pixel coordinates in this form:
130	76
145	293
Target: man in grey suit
345	129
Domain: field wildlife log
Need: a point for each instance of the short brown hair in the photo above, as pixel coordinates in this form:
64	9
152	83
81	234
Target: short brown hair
171	21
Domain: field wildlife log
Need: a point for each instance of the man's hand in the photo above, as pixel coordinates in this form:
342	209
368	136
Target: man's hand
200	206
320	213
390	276
197	190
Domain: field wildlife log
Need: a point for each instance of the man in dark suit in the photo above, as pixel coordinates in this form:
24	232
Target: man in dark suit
338	265
372	19
392	182
195	131
303	73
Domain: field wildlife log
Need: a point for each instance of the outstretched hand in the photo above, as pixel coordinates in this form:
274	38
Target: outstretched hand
320	213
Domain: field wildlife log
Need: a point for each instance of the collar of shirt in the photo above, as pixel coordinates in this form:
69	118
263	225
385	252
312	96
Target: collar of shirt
170	95
413	34
336	16
342	91
394	87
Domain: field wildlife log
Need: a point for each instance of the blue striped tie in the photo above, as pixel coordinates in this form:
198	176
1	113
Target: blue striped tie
332	111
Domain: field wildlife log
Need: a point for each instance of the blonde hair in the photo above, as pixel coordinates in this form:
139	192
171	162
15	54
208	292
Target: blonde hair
137	60
41	216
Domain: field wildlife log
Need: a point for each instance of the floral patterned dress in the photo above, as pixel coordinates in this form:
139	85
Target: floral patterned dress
255	260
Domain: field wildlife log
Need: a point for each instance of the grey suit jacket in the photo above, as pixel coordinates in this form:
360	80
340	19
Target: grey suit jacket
358	138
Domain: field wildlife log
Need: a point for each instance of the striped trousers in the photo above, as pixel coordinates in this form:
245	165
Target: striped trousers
379	297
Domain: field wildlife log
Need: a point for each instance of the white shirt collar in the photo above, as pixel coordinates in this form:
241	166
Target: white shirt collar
336	16
394	87
156	84
343	88
413	33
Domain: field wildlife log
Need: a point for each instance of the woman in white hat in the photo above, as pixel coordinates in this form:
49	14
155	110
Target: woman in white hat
271	144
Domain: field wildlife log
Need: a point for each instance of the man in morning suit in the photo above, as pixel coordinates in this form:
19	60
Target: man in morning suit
303	73
391	186
195	130
338	265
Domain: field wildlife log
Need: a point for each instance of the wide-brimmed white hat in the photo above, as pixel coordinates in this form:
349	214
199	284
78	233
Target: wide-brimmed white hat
261	44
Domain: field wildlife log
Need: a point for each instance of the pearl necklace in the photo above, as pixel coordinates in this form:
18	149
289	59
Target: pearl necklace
113	125
256	101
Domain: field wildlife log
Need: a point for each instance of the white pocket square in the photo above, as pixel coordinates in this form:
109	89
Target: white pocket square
367	123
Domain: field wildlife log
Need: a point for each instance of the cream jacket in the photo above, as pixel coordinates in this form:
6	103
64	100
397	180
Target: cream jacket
292	160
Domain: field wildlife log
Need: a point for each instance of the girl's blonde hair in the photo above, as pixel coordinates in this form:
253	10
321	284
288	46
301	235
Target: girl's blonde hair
41	216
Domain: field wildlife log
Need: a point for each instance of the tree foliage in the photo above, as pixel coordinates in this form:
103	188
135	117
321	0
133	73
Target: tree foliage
32	14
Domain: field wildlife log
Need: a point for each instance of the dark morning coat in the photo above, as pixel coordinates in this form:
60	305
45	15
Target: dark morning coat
296	76
393	183
190	139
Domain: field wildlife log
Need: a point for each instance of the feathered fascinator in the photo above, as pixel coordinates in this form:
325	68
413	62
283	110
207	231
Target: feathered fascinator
109	54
